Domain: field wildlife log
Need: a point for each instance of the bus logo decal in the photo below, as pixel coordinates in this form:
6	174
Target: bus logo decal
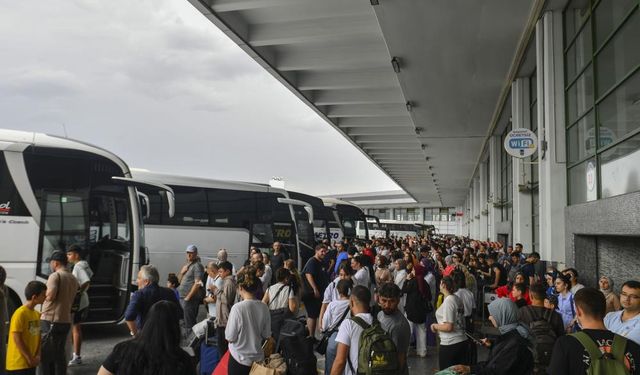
5	208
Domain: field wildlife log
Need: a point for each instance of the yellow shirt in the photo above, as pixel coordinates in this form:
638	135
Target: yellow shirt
27	322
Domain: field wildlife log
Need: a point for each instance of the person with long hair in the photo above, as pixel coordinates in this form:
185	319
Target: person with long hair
295	281
450	327
155	350
248	325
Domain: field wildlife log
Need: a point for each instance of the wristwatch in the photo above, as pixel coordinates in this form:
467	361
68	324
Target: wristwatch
131	333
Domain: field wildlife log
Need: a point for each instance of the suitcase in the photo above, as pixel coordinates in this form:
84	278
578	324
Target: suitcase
209	358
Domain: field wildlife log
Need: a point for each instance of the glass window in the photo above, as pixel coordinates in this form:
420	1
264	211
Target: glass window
581	139
620	56
583	182
619	113
579	53
620	168
580	96
231	208
608	16
191	206
575	15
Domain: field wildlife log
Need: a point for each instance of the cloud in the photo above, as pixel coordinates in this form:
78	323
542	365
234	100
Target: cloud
40	83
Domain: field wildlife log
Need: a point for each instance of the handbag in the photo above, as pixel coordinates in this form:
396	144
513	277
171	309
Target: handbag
278	316
272	365
321	346
260	368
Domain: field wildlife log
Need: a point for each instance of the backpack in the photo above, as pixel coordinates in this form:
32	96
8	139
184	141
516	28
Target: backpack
377	354
545	338
296	348
604	363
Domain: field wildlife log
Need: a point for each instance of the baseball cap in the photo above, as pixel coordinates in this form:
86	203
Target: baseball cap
192	249
59	256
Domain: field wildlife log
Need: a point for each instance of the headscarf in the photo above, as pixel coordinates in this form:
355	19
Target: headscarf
505	313
448	260
609	290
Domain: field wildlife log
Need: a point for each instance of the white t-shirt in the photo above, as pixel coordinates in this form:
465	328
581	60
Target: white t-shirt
280	300
331	293
399	279
266	278
335	311
249	323
349	334
362	278
217	282
467	299
451	311
82	273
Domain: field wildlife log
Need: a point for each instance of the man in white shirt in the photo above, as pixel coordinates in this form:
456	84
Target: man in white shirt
627	321
83	274
348	337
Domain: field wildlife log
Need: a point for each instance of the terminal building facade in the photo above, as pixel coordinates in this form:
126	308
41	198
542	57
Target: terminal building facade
414	71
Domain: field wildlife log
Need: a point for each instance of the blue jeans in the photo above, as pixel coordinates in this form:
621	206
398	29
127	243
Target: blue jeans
330	356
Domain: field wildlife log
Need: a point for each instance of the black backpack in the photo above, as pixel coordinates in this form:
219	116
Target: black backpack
545	338
296	348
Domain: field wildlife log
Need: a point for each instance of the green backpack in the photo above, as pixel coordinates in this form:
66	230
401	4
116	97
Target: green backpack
604	363
377	354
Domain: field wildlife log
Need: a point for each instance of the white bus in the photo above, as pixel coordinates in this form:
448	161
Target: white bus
56	192
215	214
375	229
400	229
347	215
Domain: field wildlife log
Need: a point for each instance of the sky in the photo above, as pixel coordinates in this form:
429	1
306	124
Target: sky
160	86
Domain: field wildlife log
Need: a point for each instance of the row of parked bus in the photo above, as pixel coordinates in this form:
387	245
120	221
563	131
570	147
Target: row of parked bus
55	192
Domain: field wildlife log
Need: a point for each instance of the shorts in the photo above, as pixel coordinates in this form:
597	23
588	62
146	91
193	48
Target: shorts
312	306
80	315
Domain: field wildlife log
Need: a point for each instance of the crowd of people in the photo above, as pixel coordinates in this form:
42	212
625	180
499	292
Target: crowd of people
419	296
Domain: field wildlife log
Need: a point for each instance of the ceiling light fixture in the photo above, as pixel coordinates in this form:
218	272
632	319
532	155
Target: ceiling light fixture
424	147
395	62
409	106
374	2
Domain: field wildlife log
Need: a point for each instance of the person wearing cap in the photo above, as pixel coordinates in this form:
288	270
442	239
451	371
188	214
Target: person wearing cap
82	272
55	320
191	284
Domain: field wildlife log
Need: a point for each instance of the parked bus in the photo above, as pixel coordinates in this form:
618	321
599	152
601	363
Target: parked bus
400	229
347	216
215	214
56	192
310	234
375	230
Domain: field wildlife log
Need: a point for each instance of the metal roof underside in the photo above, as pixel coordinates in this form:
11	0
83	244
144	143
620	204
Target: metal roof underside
335	55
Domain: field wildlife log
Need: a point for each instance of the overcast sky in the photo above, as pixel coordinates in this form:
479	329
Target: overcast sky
160	86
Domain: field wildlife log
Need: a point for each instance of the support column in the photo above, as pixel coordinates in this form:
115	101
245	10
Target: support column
476	208
494	186
484	234
551	113
522	231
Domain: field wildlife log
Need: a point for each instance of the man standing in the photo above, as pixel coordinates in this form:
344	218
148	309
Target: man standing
341	256
529	268
627	322
191	283
55	320
225	297
82	272
571	356
315	281
348	337
148	293
277	259
394	323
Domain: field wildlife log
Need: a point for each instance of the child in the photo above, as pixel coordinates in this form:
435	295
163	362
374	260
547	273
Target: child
23	351
517	294
173	284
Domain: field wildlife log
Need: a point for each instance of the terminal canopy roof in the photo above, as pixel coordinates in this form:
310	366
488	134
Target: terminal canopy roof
423	118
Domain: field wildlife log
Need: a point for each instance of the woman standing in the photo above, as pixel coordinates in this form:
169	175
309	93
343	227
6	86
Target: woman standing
281	301
450	327
606	287
565	301
155	350
295	281
248	325
417	306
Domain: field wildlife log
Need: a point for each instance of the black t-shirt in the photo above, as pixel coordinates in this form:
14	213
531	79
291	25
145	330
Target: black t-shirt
570	358
503	274
182	364
331	256
277	261
318	271
530	313
529	270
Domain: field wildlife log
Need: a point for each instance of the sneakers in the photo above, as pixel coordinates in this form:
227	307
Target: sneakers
76	360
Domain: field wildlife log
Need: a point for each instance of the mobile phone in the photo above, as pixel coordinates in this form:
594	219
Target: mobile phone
474	339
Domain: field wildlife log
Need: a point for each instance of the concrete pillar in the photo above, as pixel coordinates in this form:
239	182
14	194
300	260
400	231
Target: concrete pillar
522	230
494	186
482	180
551	133
476	207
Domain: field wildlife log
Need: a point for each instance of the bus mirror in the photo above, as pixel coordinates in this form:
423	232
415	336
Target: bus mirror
309	210
171	201
144	203
164	190
296	202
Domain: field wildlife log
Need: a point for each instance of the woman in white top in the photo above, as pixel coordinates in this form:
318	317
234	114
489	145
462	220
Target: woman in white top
331	293
450	327
337	311
280	295
248	325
